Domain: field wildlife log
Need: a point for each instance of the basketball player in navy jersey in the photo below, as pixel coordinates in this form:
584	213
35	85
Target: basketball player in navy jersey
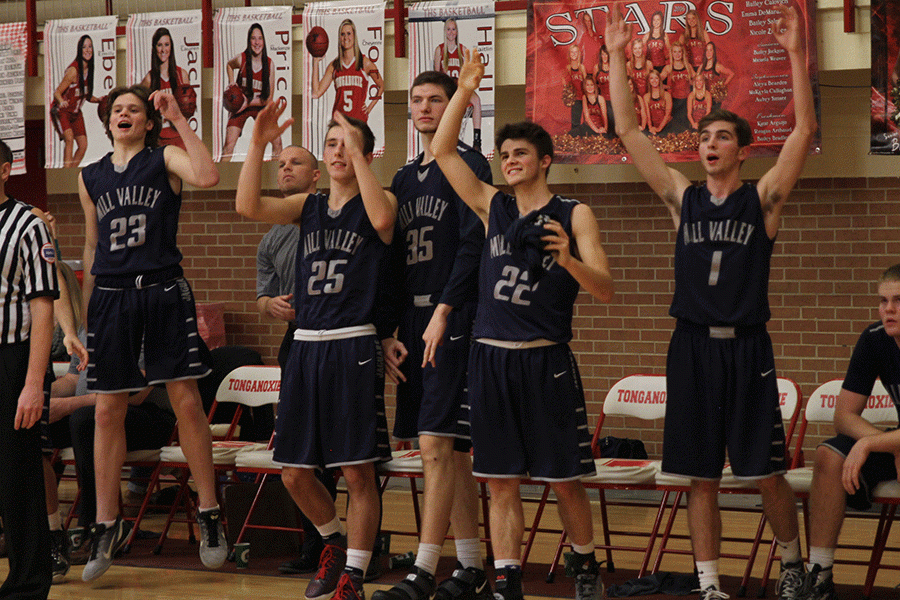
721	381
136	294
438	239
331	409
527	403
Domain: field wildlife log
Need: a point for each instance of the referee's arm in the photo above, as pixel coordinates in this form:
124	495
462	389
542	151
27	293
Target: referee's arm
31	400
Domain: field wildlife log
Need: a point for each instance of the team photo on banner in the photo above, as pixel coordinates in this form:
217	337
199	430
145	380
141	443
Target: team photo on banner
164	54
343	65
885	77
79	70
683	61
439	33
251	67
13	48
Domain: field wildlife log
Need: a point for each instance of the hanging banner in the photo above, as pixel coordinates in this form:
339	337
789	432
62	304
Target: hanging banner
885	77
438	34
342	68
79	70
251	67
684	60
13	48
164	54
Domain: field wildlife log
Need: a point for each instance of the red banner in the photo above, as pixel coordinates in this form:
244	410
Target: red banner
885	77
684	60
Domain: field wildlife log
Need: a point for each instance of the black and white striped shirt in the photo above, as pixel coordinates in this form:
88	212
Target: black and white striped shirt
27	268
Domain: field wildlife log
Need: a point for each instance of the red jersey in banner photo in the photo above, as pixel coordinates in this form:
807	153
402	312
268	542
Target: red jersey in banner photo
350	87
451	63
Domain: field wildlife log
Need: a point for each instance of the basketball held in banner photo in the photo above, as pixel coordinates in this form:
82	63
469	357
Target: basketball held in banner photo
317	42
234	98
103	107
187	100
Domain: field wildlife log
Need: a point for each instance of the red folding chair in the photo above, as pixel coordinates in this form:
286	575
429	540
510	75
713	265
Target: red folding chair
790	399
246	386
640	397
879	410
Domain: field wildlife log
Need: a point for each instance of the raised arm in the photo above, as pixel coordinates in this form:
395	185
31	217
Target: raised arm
775	186
668	183
248	200
474	192
591	270
194	166
381	205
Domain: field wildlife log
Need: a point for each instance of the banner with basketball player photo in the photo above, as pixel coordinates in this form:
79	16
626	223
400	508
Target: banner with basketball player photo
79	71
439	32
13	48
683	61
164	54
251	67
885	77
342	68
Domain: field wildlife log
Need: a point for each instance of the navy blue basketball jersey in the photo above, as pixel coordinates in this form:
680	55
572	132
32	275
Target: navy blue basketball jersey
439	236
722	256
339	261
510	306
875	356
137	214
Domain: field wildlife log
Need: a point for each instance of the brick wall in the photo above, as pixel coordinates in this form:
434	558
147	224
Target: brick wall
837	235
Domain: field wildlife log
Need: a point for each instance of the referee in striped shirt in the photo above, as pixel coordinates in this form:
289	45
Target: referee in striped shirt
28	287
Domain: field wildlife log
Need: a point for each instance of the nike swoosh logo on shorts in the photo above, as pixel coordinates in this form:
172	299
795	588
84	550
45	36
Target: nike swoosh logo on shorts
362	362
558	375
766	373
458	337
480	588
170	288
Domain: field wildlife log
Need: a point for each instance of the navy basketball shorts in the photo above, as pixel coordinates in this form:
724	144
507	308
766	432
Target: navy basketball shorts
162	317
879	466
528	415
722	394
331	406
434	400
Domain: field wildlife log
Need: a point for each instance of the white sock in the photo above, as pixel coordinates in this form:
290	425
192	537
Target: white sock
708	573
468	552
790	551
55	521
331	527
358	559
512	562
824	557
583	548
206	510
427	557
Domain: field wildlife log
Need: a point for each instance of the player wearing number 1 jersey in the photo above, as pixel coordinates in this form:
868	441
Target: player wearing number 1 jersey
720	373
138	296
527	404
331	409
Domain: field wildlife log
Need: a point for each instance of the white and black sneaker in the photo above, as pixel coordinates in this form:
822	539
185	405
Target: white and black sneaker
213	545
105	543
790	581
